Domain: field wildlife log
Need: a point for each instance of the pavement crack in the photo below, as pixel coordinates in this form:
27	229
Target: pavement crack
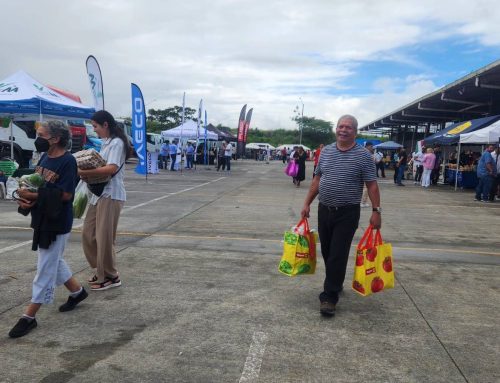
432	330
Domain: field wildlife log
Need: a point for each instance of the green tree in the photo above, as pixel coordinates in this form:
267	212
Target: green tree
170	117
315	131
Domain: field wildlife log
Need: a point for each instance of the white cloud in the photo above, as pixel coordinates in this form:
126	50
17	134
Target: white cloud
264	53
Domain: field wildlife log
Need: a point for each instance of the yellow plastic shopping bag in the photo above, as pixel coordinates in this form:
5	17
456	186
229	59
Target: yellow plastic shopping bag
299	250
373	271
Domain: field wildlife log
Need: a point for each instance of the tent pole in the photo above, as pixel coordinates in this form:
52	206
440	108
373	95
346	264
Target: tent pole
458	165
11	141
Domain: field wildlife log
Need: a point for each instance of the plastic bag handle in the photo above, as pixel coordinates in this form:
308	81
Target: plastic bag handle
378	238
304	222
367	239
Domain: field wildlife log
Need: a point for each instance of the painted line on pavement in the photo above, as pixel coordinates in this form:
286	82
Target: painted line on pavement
128	208
8	248
223	238
251	369
13	247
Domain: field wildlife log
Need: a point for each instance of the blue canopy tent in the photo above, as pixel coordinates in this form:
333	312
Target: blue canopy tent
451	135
21	95
388	145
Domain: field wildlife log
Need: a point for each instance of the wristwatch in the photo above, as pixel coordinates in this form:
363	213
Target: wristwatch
377	209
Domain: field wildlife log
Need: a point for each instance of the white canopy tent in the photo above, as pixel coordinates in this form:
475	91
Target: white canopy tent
488	135
291	146
259	145
188	131
21	95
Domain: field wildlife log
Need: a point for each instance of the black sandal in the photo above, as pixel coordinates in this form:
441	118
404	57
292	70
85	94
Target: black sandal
107	284
94	279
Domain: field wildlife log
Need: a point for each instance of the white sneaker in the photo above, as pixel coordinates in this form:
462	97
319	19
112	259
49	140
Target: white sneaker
365	205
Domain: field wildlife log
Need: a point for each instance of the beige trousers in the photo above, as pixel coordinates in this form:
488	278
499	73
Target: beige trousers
99	234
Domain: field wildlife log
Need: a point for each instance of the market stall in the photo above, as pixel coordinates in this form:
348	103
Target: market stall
464	175
456	171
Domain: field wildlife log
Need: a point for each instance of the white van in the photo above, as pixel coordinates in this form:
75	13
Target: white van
154	142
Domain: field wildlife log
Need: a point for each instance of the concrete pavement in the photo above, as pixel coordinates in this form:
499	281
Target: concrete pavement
202	300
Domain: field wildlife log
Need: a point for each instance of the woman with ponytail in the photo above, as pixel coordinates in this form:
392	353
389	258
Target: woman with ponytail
101	221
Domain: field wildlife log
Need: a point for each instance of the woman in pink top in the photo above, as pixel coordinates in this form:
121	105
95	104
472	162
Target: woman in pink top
428	163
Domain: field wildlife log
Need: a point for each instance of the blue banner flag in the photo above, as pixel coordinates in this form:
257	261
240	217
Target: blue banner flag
139	129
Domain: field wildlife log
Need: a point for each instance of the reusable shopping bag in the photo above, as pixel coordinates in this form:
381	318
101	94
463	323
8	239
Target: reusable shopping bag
81	199
299	250
373	270
292	169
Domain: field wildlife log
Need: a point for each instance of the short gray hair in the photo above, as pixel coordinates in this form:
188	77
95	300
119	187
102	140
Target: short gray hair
349	117
59	129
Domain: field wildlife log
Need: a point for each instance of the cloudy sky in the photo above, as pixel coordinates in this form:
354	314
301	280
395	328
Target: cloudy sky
365	58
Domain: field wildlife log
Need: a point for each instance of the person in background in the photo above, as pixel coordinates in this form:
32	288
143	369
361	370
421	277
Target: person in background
101	220
395	162
403	159
418	168
189	156
164	153
428	161
292	153
495	190
317	153
51	208
300	158
343	168
364	198
486	173
437	165
221	160
173	155
283	155
379	163
228	154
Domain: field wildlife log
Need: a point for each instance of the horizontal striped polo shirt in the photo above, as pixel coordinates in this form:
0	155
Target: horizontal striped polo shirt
343	174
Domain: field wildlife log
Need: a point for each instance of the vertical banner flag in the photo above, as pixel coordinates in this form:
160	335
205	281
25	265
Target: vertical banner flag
241	131
95	79
139	129
206	146
198	131
247	126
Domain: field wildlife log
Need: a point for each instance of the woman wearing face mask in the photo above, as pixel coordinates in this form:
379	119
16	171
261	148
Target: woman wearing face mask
51	218
101	221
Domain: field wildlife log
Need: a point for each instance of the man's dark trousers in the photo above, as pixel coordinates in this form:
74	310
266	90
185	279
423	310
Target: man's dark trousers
483	187
336	228
173	157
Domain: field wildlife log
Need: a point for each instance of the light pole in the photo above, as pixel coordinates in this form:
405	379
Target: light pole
301	121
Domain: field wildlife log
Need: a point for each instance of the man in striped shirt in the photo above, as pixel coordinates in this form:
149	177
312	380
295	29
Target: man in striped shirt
343	168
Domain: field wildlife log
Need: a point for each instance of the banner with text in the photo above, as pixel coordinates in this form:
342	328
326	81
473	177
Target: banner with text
139	129
95	79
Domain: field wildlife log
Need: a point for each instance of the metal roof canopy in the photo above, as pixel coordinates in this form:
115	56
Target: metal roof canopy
473	96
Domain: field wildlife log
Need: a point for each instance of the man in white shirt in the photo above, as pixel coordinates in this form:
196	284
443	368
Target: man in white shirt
418	168
228	153
379	162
